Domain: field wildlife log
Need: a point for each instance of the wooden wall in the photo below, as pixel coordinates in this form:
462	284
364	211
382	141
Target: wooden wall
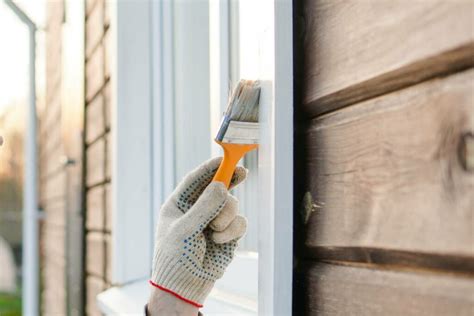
52	174
56	183
384	160
97	152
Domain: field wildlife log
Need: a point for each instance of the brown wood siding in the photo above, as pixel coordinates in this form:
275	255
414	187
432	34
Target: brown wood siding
97	153
52	175
384	182
388	175
360	49
54	181
349	290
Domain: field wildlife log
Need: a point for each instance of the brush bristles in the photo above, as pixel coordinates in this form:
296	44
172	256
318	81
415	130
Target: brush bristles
241	116
243	105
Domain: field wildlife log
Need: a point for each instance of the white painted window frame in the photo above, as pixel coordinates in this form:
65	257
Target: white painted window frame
275	245
131	133
132	154
133	194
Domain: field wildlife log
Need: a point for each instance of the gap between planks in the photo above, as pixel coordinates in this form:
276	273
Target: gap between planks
395	260
445	64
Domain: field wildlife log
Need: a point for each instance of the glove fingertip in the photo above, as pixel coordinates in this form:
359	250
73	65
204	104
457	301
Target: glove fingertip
218	188
235	231
239	176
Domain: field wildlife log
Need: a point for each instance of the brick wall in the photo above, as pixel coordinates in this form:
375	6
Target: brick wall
52	175
97	139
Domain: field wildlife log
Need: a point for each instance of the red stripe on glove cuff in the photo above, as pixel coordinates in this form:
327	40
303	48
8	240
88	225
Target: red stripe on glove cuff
175	294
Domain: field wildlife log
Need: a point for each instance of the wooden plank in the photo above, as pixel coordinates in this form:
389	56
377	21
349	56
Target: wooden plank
94	28
94	286
108	207
107	13
95	172
50	154
386	173
95	78
53	239
354	50
95	254
108	258
90	5
325	289
55	212
403	260
54	187
108	157
107	104
108	53
95	119
95	201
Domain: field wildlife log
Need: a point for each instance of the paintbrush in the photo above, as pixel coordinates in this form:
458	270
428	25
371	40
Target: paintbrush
238	133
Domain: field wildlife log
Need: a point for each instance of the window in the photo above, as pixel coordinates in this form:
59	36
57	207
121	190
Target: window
173	65
186	119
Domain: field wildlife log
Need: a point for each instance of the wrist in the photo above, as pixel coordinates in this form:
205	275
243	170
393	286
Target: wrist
181	277
164	303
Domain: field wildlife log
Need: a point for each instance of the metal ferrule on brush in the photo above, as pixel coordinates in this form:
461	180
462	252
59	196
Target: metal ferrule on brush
224	125
237	132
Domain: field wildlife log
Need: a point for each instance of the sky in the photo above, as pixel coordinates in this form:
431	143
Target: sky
14	52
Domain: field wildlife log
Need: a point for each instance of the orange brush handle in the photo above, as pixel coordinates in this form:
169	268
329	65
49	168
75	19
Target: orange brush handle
232	154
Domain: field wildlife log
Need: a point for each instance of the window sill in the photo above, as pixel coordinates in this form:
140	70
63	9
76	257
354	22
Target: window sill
130	299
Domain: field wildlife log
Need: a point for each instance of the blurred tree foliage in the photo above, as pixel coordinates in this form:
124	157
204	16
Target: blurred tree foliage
11	175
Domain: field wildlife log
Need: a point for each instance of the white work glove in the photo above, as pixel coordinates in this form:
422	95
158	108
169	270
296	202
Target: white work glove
197	233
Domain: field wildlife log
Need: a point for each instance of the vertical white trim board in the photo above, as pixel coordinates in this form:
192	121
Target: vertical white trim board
162	105
276	158
131	141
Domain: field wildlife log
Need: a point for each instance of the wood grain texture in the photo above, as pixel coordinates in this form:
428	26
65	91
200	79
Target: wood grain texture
95	254
94	286
95	119
325	289
95	78
94	28
95	204
96	163
396	259
386	173
355	50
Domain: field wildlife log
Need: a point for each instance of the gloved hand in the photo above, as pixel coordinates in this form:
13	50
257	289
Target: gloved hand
197	233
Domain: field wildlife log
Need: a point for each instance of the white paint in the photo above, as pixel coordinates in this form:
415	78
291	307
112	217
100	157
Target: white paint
269	59
130	300
239	286
30	262
240	282
276	157
192	131
125	300
219	66
131	141
264	52
262	49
